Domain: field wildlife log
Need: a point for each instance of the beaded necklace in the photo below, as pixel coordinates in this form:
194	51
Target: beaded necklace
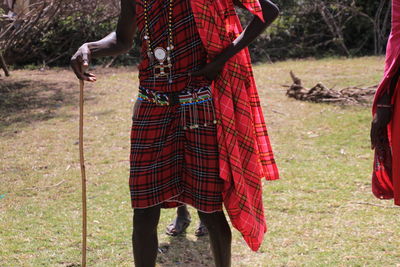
159	53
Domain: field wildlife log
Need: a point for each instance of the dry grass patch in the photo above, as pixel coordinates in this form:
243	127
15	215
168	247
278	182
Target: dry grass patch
321	213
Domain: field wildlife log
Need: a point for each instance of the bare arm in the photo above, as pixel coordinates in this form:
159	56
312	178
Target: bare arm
252	31
386	98
115	43
383	115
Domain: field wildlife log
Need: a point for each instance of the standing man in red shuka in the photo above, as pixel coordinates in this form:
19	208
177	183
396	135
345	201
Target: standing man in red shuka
385	129
198	134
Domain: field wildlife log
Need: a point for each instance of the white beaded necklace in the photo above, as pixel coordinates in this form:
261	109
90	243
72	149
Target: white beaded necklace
159	53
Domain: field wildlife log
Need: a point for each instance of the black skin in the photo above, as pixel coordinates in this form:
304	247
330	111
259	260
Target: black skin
145	221
121	41
382	117
182	218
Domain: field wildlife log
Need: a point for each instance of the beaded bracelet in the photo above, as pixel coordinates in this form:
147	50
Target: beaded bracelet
384	106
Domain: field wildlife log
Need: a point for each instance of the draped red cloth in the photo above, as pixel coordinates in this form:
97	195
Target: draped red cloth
245	154
386	173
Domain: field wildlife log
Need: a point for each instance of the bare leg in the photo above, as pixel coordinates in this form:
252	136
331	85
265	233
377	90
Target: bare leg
182	211
180	223
201	230
144	237
220	237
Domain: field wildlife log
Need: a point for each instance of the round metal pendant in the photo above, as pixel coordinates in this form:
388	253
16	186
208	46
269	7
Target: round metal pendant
160	53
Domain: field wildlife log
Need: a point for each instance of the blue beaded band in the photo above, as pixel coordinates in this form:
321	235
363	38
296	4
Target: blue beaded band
189	96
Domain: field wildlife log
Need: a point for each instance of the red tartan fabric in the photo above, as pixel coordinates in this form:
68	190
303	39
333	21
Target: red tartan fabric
169	165
188	55
245	154
386	172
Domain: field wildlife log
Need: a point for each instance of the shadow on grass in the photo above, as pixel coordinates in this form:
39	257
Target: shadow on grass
183	252
25	101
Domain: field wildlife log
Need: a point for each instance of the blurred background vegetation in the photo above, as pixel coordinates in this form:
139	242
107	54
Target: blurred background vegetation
47	32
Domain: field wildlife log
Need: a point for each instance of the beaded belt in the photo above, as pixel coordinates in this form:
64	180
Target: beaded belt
187	96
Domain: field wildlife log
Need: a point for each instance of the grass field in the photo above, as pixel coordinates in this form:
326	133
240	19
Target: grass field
321	212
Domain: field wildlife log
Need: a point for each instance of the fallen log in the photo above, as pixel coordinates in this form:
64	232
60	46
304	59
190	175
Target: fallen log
321	94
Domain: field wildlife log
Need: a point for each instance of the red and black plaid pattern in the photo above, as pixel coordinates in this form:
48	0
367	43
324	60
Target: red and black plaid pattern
188	54
245	154
170	165
386	172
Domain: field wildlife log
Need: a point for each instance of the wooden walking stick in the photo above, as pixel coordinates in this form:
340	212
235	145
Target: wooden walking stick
83	175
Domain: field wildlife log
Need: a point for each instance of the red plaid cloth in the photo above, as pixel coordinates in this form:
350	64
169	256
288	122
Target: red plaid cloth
245	154
386	172
171	166
188	55
168	164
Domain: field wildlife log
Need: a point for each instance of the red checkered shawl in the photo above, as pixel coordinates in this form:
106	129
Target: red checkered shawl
386	173
245	154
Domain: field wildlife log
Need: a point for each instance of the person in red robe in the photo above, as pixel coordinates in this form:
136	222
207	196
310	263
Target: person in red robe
185	148
385	128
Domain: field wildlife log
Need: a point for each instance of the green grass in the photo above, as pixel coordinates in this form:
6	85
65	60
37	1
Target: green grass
321	212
